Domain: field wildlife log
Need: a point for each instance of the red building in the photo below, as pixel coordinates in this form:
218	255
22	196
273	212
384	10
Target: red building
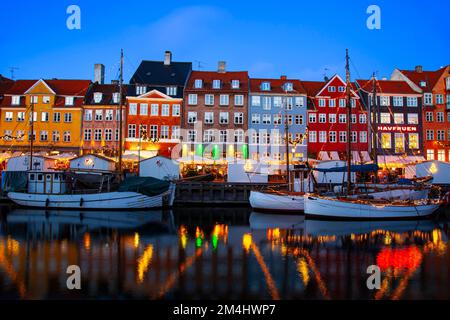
153	124
327	121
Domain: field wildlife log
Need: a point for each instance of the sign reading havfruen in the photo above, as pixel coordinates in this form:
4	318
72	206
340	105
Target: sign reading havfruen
397	128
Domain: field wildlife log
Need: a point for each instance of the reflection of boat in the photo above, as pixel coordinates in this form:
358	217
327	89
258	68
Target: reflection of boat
318	228
277	201
260	221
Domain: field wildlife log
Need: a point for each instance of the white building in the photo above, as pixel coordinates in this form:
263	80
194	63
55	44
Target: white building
160	167
93	162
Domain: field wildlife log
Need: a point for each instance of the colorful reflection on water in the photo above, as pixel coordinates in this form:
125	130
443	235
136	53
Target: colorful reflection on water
215	253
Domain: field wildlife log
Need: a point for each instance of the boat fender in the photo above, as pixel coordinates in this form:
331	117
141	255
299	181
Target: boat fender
81	202
47	202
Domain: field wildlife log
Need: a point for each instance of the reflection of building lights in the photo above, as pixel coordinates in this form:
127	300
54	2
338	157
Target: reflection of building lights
387	239
399	259
302	268
247	241
436	236
183	236
136	240
248	166
12	245
87	241
144	262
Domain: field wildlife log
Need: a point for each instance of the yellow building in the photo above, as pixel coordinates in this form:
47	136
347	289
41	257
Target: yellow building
57	107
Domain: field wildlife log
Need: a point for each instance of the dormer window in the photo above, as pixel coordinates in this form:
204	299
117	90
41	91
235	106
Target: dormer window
448	83
265	86
216	84
15	101
69	101
98	97
235	84
288	86
331	89
423	84
198	84
116	97
171	91
140	90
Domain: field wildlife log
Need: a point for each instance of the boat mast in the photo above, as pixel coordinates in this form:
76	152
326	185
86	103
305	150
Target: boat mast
286	132
120	112
374	121
349	120
31	135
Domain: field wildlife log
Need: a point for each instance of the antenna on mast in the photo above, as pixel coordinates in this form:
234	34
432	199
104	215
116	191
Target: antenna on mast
121	112
349	120
12	70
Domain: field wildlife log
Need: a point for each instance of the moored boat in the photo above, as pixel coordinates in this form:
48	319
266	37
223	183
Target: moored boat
283	201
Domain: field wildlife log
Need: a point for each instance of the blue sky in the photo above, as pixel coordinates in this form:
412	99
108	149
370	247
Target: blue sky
268	38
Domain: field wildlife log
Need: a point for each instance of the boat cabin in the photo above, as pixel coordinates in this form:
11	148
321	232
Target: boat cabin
46	182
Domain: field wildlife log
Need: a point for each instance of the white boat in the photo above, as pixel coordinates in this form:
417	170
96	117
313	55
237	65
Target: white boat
396	194
292	202
340	208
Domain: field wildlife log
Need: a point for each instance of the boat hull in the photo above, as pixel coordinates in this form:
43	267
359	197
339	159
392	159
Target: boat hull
271	202
99	201
327	208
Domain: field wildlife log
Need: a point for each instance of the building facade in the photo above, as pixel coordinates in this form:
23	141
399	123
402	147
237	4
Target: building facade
435	87
101	129
395	120
327	122
215	117
272	103
153	125
56	109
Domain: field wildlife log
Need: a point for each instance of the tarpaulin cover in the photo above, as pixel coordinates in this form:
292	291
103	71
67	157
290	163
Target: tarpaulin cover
147	186
14	181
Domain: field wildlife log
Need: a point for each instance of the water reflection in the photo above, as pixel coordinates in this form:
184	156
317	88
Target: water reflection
209	253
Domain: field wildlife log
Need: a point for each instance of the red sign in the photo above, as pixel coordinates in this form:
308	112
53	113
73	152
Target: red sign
397	129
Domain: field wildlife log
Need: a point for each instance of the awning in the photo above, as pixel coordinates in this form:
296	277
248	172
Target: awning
356	157
353	168
365	156
399	160
334	155
323	155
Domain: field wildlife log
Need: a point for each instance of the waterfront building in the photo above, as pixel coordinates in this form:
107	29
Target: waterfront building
215	117
395	120
56	109
435	87
327	121
272	103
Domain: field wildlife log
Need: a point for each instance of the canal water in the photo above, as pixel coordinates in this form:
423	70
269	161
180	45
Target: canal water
218	253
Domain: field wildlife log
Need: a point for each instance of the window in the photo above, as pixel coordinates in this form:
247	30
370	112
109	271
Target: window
216	84
331	89
385	117
363	118
298	119
68	117
131	131
265	86
108	134
322	136
56	137
35	117
224	118
341	89
57	117
411	102
413	118
98	115
140	90
384	101
447	80
441	135
430	154
239	136
44	135
256	101
116	97
363	136
399	142
192	117
15	100
20	116
255	138
87	134
342	118
440	117
322	118
428	99
312	118
235	84
133	109
208	135
109	115
332	136
430	135
176	130
209	99
331	118
9	116
439	99
98	97
277	102
354	137
238	100
398	101
98	135
256	118
143	109
198	84
267	119
277	119
299	102
342	136
209	117
192	99
7	135
223	136
164	132
399	118
289	119
332	103
267	103
353	103
288	86
171	91
342	103
31	136
154	110
312	136
429	116
239	118
45	117
441	155
224	100
413	141
154	132
322	102
192	135
386	141
116	134
34	99
176	110
46	100
165	110
67	137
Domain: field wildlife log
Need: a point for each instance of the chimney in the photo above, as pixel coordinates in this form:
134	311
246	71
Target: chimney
115	82
99	73
283	77
384	79
419	69
167	58
222	66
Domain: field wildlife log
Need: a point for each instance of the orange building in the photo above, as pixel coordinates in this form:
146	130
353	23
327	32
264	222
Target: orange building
56	106
153	124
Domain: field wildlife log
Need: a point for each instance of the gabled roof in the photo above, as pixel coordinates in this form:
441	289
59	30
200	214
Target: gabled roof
153	93
60	87
277	86
313	87
20	87
156	73
225	77
430	77
387	86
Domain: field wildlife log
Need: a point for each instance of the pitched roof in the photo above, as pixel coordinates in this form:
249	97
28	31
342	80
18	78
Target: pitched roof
430	77
107	91
387	86
61	87
313	87
277	86
156	73
225	77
